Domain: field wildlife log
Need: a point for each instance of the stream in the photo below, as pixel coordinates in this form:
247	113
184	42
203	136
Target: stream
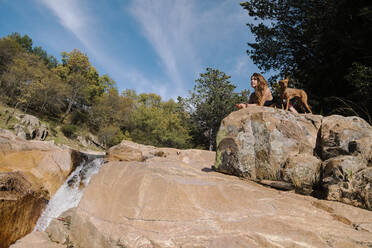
70	193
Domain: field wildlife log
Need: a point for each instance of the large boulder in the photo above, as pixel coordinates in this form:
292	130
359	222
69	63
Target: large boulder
131	151
174	199
256	142
30	173
328	157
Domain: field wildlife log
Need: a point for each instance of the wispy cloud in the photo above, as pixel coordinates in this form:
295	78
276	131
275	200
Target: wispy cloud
188	36
71	16
167	25
76	18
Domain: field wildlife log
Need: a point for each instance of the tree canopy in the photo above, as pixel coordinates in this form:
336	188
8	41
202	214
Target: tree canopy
323	46
212	100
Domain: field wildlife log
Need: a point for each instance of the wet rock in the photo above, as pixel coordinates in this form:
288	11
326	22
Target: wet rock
21	203
73	181
30	173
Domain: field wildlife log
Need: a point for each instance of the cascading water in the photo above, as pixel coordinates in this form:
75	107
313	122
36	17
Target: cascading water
70	193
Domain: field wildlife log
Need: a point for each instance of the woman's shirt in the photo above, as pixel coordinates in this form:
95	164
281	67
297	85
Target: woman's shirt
253	99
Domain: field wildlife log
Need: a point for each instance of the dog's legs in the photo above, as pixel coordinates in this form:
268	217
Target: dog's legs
308	107
304	102
287	103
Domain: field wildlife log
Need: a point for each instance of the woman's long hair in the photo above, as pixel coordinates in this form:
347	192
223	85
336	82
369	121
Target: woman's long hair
261	86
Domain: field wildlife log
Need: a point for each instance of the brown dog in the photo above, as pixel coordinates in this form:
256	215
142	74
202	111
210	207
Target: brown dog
289	93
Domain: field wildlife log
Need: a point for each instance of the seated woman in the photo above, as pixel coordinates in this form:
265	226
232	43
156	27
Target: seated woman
262	94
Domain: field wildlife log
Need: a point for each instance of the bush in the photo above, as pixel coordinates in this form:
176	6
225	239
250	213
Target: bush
110	136
69	130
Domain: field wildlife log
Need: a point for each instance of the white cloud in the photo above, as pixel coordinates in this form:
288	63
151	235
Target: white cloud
189	35
76	18
71	16
167	24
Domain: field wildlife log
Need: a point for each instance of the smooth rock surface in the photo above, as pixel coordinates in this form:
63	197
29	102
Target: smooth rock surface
37	240
176	201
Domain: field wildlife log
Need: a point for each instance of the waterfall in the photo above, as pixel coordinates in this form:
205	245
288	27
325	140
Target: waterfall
70	193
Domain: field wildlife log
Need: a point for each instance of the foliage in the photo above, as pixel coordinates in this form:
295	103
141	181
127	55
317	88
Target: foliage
8	50
316	43
110	136
28	83
109	109
158	123
211	101
73	92
69	130
83	83
26	43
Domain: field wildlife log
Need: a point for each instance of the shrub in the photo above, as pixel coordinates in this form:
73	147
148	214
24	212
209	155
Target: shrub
110	136
69	130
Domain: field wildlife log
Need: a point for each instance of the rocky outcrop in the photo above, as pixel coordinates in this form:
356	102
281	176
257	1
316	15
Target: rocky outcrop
256	143
30	127
325	156
30	173
346	146
130	151
174	199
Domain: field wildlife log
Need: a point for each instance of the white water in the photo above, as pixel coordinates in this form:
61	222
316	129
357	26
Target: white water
68	196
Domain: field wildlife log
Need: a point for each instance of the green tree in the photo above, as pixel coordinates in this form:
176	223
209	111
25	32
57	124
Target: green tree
82	81
25	41
109	109
315	43
49	60
8	50
28	83
154	122
211	101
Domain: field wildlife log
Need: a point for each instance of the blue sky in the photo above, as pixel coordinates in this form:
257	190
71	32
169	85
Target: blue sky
158	46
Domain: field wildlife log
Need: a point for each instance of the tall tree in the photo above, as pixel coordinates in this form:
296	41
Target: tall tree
8	50
154	122
25	41
27	82
82	80
212	100
316	43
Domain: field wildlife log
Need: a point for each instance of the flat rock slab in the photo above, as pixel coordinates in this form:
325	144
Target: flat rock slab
165	202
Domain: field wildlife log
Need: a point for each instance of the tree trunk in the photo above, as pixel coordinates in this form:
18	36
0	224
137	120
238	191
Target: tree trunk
69	107
67	111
